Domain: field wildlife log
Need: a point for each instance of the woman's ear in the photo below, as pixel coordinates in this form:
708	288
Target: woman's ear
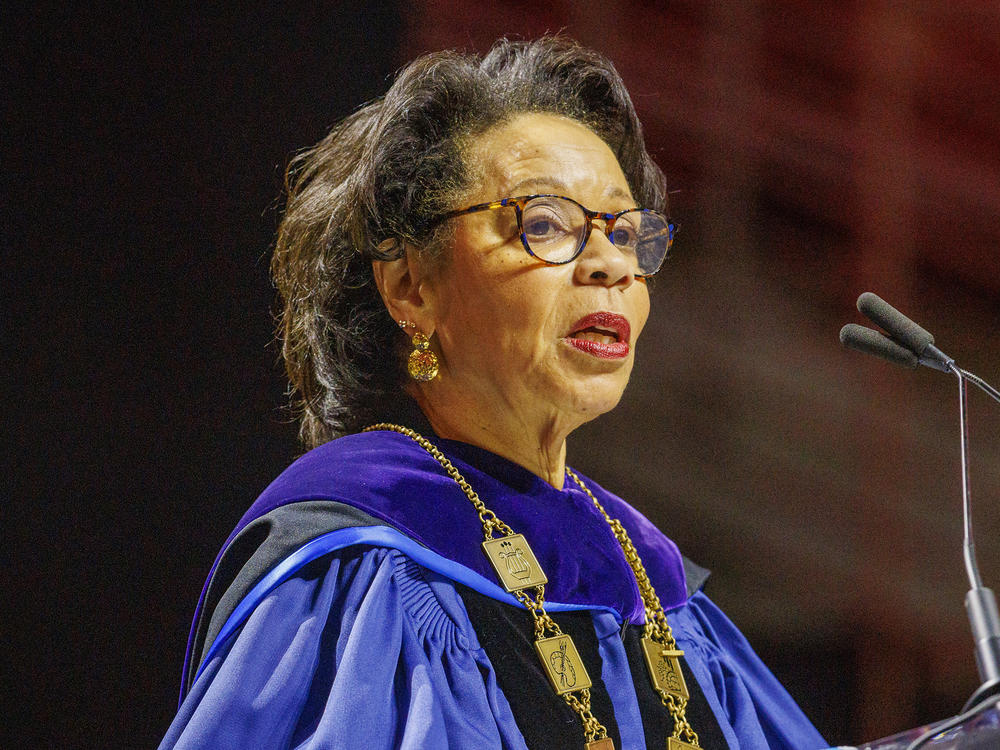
403	284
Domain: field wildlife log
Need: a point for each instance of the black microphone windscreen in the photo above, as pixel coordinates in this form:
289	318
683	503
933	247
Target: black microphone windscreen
872	342
902	329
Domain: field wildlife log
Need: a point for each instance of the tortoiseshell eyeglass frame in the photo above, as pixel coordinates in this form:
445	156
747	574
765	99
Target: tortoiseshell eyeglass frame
609	220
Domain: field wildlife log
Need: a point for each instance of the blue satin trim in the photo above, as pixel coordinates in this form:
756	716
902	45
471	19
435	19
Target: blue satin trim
374	536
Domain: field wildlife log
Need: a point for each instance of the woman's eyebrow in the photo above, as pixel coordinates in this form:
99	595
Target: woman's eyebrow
541	183
617	192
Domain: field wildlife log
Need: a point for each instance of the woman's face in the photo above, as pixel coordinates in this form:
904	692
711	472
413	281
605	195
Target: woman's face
546	342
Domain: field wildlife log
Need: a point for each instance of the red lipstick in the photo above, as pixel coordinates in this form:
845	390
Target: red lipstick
603	325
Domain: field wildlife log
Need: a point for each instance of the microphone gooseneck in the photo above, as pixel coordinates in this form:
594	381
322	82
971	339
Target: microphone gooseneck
980	602
985	387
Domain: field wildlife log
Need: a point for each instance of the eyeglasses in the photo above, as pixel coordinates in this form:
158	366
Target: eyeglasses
555	229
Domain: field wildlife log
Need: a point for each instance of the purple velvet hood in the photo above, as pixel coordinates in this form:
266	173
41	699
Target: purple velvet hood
390	477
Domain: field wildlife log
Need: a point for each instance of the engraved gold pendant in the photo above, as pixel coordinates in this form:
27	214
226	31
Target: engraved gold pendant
514	562
605	744
675	744
562	664
665	668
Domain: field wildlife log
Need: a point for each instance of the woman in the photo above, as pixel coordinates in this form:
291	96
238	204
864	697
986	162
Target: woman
463	265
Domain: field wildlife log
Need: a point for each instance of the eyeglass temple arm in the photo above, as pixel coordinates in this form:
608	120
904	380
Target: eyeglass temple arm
480	207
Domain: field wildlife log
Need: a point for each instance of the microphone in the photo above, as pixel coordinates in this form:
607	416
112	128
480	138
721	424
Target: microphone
866	340
910	345
903	331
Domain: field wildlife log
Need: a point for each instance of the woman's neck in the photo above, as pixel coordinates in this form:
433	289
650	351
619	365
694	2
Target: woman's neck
538	445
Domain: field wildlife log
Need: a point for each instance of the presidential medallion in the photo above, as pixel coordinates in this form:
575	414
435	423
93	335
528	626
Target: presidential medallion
665	668
562	664
514	562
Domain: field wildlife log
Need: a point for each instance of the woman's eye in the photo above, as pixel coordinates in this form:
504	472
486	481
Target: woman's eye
539	227
543	227
623	237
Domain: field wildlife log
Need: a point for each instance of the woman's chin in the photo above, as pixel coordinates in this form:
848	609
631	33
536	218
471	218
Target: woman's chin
597	395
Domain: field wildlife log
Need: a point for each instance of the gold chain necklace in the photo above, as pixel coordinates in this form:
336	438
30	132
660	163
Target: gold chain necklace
658	644
518	570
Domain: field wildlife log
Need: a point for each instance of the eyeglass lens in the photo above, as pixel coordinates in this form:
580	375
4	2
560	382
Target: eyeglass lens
555	228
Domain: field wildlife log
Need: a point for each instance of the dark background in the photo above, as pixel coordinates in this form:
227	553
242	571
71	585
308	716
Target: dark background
818	152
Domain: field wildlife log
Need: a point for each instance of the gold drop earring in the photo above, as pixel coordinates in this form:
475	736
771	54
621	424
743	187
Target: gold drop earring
422	363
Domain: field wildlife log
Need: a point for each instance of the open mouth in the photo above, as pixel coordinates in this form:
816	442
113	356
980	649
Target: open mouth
594	333
602	334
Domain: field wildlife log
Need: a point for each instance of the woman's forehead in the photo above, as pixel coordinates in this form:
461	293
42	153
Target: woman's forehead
547	153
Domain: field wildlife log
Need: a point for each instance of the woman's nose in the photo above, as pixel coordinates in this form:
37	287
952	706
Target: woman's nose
603	263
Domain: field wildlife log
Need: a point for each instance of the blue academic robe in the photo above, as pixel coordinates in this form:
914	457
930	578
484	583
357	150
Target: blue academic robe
353	607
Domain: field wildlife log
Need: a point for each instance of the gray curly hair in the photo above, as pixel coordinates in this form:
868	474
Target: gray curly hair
380	179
